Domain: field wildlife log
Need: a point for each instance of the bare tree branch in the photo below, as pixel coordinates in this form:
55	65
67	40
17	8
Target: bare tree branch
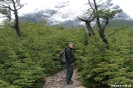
90	5
112	33
85	20
20	7
89	30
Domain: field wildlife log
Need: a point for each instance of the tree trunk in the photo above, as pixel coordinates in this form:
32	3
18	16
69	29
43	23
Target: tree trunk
18	31
104	39
16	20
89	29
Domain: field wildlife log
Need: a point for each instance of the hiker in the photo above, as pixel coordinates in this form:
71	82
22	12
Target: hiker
69	63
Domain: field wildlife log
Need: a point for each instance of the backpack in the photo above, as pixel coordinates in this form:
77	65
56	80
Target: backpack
62	57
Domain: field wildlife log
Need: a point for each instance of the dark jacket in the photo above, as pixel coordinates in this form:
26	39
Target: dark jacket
69	55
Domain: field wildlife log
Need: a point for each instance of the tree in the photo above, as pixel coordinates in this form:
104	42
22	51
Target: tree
101	14
9	6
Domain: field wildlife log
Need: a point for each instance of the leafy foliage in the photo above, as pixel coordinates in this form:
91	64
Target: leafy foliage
103	13
25	63
101	67
3	11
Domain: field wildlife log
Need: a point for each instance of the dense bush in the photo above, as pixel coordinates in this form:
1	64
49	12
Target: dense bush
101	67
25	62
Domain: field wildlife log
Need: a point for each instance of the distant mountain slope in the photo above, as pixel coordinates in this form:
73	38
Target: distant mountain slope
116	23
65	14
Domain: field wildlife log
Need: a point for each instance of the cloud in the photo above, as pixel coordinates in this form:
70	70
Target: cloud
33	5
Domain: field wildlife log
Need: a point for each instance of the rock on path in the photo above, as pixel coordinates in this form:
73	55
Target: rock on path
58	80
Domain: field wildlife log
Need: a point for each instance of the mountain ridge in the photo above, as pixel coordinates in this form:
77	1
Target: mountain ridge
65	14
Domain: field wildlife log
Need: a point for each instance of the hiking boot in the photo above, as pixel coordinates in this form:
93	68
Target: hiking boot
69	82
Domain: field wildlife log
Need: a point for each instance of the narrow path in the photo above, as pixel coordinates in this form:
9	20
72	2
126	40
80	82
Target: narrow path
76	79
58	80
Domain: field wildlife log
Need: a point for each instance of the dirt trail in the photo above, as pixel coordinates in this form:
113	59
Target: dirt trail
58	80
76	79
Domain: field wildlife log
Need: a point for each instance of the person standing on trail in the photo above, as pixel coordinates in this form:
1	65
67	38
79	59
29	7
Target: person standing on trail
69	63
